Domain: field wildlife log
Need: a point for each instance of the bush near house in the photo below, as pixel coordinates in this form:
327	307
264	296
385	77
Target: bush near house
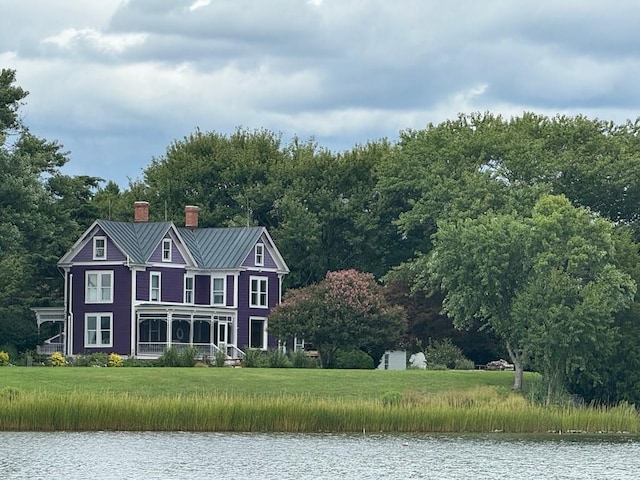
4	359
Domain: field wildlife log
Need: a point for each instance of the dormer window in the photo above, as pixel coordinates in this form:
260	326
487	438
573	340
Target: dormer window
259	255
99	248
166	250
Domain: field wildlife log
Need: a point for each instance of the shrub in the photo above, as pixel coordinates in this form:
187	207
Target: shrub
464	364
253	358
219	358
57	360
354	359
444	352
276	358
299	359
172	357
390	399
4	358
114	360
10	350
93	360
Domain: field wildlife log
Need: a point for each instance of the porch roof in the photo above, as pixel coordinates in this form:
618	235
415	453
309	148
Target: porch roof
48	314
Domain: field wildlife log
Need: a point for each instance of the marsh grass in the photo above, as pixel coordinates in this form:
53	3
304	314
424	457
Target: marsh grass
480	410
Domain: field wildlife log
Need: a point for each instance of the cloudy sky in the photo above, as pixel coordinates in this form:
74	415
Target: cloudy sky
117	81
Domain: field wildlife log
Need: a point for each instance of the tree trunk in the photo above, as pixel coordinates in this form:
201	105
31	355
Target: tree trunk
518	367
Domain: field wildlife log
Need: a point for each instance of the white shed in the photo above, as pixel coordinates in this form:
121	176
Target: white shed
393	360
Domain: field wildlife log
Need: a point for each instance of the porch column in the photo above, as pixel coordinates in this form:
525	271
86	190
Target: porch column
169	329
191	329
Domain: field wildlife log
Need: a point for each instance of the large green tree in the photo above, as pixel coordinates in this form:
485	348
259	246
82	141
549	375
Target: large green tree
547	284
347	310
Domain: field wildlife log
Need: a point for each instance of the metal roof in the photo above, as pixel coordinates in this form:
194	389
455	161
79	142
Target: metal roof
211	248
220	248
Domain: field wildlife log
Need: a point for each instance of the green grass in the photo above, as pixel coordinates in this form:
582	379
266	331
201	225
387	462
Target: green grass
284	400
247	381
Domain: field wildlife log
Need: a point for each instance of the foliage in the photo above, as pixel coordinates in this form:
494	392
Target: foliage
276	358
58	360
183	357
98	359
114	360
253	358
354	359
547	284
444	352
219	358
299	359
346	310
4	358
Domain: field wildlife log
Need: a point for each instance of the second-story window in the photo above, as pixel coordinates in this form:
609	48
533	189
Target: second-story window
259	254
99	248
99	287
154	287
258	287
188	289
217	297
166	250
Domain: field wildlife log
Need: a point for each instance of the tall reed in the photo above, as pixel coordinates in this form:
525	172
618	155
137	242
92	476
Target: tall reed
476	411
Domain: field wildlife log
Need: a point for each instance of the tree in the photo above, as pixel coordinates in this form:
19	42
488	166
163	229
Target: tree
347	310
547	284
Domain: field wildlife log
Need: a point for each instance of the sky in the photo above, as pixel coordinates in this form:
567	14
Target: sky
116	82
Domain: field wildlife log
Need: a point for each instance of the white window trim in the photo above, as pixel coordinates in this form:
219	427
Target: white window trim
167	241
98	274
95	256
265	338
259	292
259	255
224	290
99	316
193	290
157	275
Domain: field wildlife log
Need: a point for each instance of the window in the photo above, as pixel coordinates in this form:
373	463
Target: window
99	248
166	250
188	289
258	333
99	287
98	330
259	254
154	287
218	290
258	292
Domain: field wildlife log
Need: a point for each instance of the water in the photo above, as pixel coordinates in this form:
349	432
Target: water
116	455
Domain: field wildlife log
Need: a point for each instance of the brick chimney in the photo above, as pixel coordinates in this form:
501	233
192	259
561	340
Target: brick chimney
191	216
141	212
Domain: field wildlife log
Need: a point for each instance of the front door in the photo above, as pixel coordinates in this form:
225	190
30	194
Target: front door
222	331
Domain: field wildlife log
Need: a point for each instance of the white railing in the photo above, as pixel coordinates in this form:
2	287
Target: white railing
206	350
50	348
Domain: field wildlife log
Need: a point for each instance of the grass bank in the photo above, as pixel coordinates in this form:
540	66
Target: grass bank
164	399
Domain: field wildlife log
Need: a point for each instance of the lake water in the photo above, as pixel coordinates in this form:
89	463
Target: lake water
117	455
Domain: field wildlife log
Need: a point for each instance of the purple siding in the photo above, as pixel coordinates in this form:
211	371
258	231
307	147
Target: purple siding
203	290
86	253
244	311
230	292
250	261
171	284
176	257
120	309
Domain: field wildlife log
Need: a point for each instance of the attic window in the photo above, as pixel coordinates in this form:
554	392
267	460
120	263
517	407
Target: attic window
166	250
259	255
99	248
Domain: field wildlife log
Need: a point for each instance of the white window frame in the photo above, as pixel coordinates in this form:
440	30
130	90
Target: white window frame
189	292
153	275
99	287
167	246
223	292
96	239
259	255
259	293
99	330
265	343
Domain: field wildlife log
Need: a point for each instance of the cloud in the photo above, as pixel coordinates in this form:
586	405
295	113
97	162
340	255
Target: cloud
94	41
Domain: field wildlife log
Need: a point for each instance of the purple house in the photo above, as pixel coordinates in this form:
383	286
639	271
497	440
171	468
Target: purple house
139	288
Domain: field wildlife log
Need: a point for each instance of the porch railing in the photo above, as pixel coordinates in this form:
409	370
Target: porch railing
50	348
206	350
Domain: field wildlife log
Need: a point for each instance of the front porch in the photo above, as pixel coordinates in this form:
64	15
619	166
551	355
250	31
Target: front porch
57	342
209	331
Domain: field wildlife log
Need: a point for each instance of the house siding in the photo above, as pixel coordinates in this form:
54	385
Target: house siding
203	290
245	312
171	284
230	292
176	256
269	262
119	308
86	253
